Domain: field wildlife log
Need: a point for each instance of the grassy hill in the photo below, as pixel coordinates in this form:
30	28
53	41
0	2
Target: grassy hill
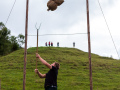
73	73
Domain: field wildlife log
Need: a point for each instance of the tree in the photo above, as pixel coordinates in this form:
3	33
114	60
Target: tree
17	42
21	39
9	43
14	43
1	25
4	40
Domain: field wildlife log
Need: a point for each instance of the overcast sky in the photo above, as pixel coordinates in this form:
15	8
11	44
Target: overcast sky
69	18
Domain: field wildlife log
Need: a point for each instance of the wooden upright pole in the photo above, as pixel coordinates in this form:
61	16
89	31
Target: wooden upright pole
25	50
89	46
37	48
37	42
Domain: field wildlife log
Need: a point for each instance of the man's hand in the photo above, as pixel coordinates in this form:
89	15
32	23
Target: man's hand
40	74
36	71
37	55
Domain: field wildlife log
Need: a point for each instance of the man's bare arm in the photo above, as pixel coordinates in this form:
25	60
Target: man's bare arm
40	74
43	61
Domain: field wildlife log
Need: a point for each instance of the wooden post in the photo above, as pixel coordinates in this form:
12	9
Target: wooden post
37	42
37	48
25	50
89	46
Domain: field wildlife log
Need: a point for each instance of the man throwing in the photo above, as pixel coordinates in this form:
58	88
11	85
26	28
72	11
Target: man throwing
51	76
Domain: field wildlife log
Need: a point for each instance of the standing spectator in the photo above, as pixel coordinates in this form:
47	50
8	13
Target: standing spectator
46	44
57	44
73	44
49	43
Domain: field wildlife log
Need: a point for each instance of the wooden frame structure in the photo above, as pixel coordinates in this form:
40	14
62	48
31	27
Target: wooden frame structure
89	46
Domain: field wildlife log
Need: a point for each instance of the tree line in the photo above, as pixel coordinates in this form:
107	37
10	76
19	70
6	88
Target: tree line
9	43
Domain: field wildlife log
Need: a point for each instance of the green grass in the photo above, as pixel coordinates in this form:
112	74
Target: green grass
73	73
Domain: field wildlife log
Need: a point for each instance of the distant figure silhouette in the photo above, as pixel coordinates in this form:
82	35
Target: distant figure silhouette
46	44
73	44
57	44
49	43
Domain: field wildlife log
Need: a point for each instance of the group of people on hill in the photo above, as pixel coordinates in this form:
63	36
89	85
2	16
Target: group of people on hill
49	44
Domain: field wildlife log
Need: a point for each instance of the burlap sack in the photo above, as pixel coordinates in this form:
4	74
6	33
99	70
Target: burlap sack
51	5
59	2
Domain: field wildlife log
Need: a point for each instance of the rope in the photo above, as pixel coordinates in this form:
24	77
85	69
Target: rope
108	29
10	12
57	34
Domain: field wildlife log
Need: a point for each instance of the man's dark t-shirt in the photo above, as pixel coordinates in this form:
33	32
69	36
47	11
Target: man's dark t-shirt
51	77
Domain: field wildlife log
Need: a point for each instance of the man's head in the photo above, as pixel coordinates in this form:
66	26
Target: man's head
56	64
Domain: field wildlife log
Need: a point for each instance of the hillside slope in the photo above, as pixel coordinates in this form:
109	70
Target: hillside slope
73	73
